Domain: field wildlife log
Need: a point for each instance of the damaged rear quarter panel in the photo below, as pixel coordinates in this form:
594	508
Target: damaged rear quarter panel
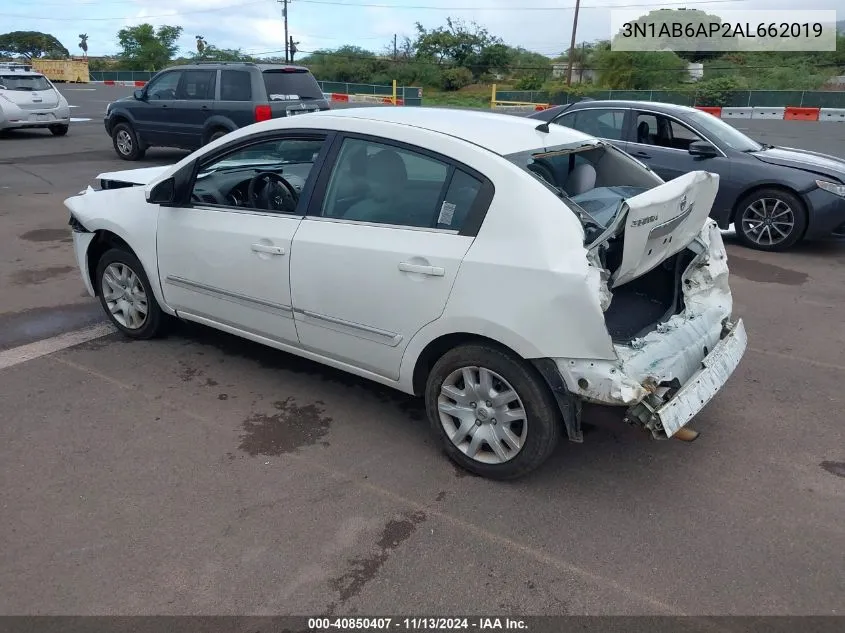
672	351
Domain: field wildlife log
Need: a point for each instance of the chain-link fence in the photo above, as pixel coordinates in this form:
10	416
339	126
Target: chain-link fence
738	98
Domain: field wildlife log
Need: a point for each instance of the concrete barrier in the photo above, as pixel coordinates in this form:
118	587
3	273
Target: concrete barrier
800	114
832	114
768	113
737	113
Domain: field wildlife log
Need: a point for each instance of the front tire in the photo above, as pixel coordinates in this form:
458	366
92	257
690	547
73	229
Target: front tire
127	297
494	414
59	130
126	142
770	220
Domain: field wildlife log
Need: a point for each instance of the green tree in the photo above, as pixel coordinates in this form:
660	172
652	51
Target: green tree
211	53
467	46
32	45
143	47
620	70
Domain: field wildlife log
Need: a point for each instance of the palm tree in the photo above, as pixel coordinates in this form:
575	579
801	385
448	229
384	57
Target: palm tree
83	44
200	45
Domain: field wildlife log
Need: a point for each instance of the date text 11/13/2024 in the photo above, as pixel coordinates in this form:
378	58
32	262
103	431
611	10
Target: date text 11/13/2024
417	624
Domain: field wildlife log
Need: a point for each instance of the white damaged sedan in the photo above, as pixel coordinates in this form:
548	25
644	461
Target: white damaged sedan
504	271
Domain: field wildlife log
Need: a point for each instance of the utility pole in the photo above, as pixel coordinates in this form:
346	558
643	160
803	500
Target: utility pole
572	44
284	4
394	47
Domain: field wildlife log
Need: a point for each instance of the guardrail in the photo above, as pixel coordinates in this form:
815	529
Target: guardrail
788	113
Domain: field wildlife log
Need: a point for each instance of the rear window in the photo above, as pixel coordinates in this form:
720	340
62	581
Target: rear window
24	82
291	85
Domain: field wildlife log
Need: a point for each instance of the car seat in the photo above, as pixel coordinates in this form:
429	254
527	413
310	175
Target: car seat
581	179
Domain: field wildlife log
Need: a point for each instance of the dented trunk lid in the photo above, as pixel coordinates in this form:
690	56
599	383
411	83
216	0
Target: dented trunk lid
663	221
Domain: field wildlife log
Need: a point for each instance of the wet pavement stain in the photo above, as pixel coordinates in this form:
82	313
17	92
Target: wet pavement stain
27	326
222	396
210	383
187	373
293	427
834	468
38	275
754	270
47	235
362	570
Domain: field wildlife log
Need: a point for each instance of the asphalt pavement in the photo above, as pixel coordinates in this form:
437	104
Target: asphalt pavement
203	474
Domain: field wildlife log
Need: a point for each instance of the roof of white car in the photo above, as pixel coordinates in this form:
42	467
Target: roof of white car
500	133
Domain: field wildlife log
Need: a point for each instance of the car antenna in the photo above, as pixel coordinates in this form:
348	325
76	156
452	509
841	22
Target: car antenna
543	127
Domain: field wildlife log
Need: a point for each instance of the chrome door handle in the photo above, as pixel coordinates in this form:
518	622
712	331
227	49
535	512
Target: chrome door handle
434	271
264	248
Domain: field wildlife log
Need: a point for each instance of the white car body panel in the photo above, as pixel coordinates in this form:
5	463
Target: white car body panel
663	221
526	280
229	267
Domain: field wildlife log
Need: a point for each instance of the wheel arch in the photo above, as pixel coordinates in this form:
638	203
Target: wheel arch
106	240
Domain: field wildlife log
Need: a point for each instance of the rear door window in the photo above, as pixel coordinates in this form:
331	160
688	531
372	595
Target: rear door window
197	85
235	85
289	85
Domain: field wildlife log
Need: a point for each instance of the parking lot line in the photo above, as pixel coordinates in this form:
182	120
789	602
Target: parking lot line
17	355
808	361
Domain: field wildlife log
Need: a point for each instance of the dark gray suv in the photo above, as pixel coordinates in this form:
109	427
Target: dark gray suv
191	105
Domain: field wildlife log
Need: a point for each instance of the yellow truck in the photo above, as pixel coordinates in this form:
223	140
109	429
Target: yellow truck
70	70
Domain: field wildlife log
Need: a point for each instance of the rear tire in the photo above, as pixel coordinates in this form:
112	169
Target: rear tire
59	130
764	216
494	414
127	297
216	134
126	142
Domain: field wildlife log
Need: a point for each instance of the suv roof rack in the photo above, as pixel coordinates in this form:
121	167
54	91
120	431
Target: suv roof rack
205	63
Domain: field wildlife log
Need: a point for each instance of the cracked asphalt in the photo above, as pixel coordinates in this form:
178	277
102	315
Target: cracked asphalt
203	474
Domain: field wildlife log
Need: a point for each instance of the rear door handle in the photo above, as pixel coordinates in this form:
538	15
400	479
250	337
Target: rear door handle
434	271
265	248
642	155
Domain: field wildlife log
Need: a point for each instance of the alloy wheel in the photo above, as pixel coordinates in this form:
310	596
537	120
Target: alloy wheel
768	221
124	296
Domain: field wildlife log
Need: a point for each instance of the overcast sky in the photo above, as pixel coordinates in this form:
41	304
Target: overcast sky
256	27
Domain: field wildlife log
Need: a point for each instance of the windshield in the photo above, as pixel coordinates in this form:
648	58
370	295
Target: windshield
291	86
724	132
24	82
591	180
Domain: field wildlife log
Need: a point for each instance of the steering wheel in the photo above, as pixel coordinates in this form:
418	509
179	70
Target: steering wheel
269	190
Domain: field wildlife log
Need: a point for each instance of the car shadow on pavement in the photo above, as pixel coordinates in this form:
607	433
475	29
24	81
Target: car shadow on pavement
609	445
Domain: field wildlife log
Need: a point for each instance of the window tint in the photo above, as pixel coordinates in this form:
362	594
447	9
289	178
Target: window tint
197	84
566	120
378	183
600	123
461	195
33	83
682	136
647	130
235	85
164	86
226	180
291	86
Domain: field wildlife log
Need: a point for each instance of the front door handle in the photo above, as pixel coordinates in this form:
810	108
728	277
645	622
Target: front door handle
266	248
642	155
434	271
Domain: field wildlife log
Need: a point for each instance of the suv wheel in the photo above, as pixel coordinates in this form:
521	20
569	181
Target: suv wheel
126	142
216	134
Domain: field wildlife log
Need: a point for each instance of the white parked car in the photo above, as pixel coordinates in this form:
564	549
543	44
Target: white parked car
503	270
29	100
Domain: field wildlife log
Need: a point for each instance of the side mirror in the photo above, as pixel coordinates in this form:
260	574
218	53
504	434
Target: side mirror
702	149
139	94
163	193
